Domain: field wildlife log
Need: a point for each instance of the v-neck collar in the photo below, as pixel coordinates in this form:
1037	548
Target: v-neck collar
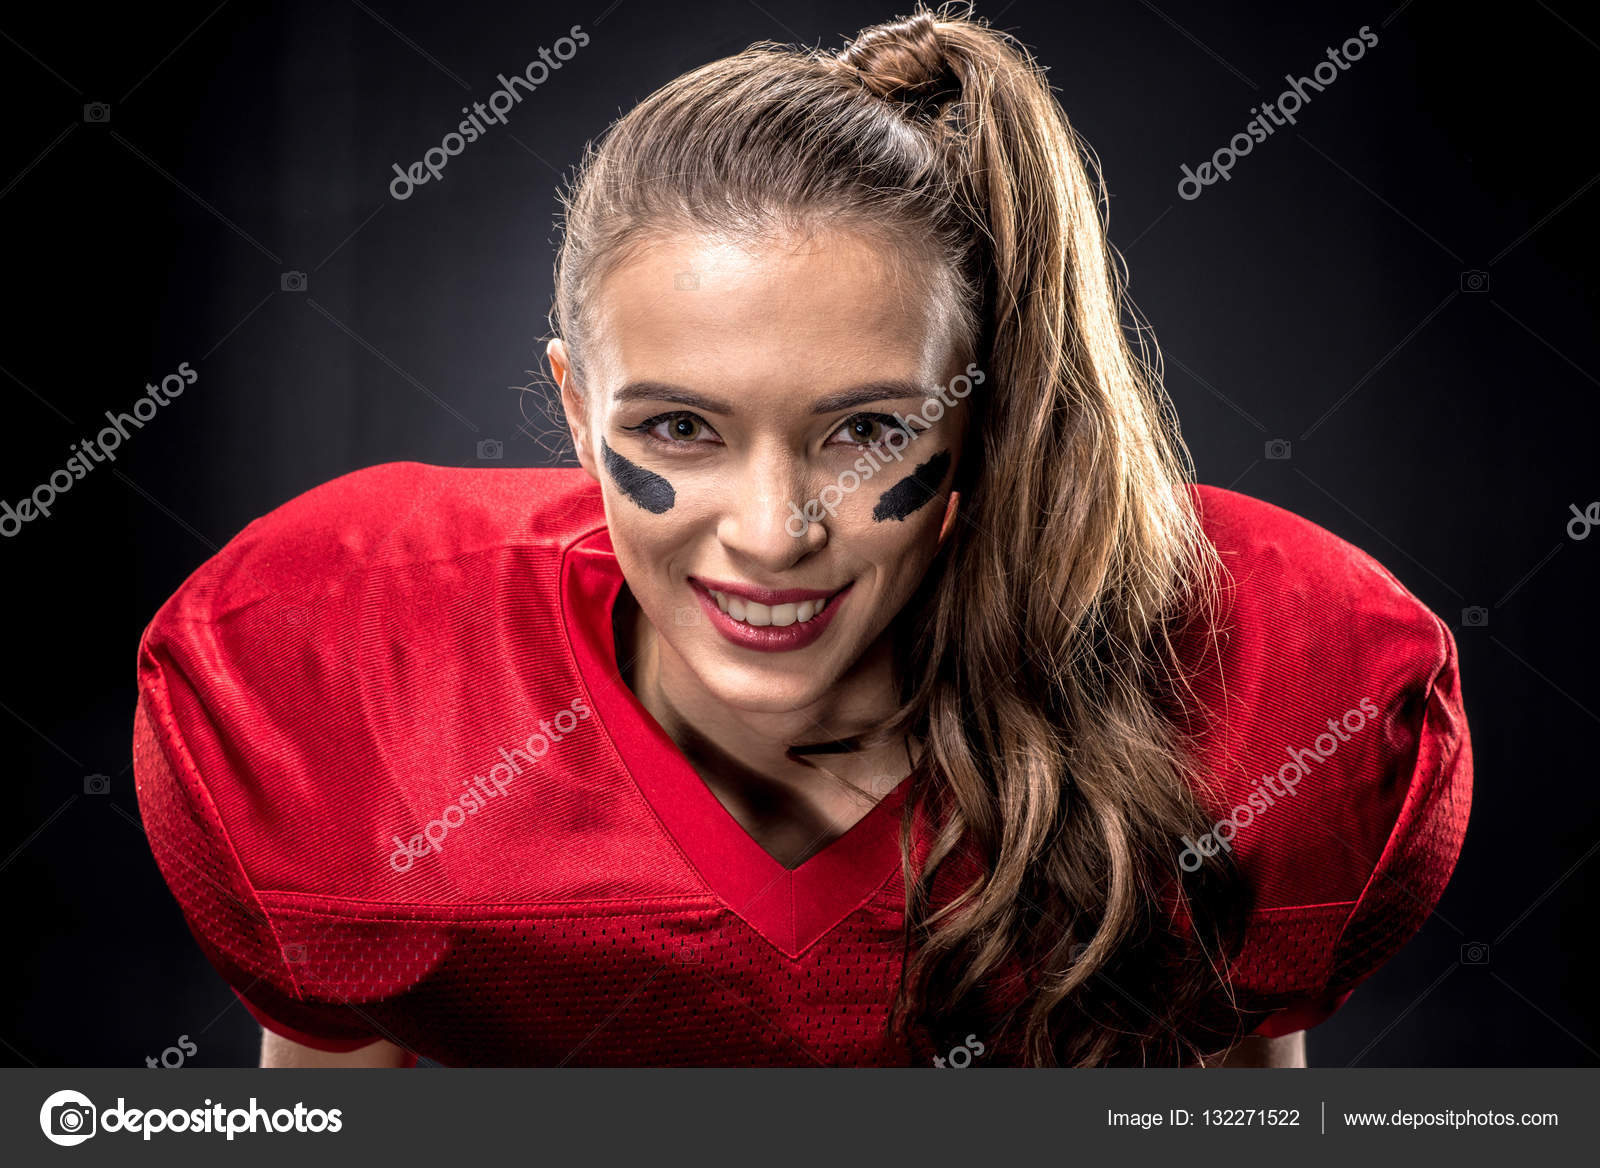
791	907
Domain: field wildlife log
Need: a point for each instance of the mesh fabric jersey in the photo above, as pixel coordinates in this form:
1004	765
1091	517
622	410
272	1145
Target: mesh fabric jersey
392	776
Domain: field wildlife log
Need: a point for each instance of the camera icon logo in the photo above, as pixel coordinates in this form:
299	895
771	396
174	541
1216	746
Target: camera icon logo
1475	953
688	955
685	615
1475	617
292	282
97	112
97	784
67	1118
490	449
1474	280
1278	449
880	784
686	281
294	953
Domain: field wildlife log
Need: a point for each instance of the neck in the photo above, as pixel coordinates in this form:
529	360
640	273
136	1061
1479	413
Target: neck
742	755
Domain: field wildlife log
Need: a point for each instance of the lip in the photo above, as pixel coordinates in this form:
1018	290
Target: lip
769	639
766	596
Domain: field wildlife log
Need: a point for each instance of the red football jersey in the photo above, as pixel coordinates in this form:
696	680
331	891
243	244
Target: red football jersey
389	770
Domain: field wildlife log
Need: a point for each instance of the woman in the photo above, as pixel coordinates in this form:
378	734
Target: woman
877	691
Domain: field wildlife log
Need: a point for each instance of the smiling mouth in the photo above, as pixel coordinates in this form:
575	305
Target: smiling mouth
764	615
771	628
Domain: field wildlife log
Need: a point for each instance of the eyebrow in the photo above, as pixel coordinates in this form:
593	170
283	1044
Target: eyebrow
844	399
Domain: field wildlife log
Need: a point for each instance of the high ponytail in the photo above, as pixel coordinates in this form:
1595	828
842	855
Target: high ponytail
1036	660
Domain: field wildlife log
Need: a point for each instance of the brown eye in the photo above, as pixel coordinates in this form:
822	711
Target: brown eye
868	429
675	430
683	428
863	429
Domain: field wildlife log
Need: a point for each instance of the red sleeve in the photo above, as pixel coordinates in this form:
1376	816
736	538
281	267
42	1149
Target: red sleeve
275	734
197	859
1335	745
1418	858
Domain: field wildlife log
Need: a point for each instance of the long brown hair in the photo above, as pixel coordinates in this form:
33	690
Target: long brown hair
1042	674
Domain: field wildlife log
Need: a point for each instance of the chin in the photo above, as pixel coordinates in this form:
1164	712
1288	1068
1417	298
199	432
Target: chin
764	691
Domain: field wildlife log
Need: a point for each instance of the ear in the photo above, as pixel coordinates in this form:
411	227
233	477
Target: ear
952	505
573	404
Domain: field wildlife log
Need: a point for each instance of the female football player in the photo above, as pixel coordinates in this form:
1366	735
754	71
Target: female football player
877	690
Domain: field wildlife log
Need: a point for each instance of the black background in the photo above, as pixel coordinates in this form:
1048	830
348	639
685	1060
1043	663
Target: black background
1318	297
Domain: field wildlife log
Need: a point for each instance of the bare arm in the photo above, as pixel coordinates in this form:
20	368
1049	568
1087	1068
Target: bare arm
277	1051
1287	1051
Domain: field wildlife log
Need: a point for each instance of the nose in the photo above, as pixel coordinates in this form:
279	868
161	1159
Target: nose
763	521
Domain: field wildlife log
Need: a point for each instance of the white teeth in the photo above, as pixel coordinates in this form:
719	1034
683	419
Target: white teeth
761	615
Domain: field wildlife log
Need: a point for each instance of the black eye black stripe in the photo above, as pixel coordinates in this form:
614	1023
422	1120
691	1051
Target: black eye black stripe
644	487
911	492
656	495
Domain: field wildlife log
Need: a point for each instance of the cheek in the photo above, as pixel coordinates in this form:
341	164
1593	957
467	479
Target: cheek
650	550
649	545
647	518
894	518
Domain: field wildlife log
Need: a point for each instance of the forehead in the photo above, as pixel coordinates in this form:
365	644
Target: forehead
780	316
